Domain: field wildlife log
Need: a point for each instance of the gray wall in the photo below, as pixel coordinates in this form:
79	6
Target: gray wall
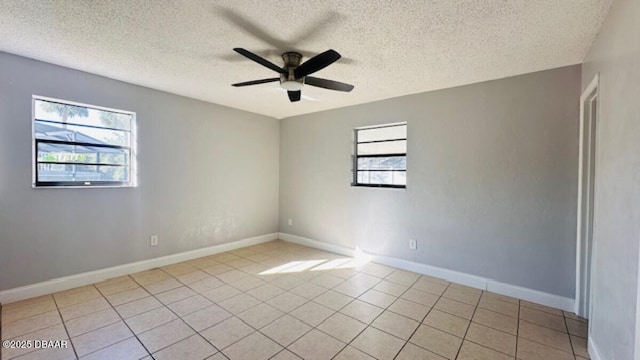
207	175
615	54
491	188
492	180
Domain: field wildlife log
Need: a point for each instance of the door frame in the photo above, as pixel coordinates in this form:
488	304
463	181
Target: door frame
584	259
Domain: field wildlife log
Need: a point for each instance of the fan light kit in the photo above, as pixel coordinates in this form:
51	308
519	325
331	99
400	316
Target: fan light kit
293	75
291	85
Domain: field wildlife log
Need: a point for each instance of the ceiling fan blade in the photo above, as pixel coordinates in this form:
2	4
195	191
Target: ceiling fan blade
316	63
294	95
327	84
255	82
260	60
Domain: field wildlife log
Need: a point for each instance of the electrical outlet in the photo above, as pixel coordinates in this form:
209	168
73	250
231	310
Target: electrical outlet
413	244
154	240
290	222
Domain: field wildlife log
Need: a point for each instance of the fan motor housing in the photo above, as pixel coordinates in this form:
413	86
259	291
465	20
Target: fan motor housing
288	81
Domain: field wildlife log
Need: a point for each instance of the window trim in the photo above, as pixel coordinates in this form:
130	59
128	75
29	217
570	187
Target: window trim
355	156
132	160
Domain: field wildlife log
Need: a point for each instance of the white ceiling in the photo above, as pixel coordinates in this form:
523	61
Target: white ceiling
389	48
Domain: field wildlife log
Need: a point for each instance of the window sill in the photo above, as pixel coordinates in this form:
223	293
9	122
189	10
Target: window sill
380	186
33	186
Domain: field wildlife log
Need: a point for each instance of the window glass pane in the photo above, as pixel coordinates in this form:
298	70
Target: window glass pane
382	177
374	177
383	163
68	172
65	132
63	113
399	178
74	133
82	154
390	147
383	133
363	177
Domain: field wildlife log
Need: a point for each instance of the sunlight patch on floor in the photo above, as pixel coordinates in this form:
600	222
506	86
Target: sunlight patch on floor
359	260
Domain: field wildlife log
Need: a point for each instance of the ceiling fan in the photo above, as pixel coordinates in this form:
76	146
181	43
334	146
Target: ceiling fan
294	75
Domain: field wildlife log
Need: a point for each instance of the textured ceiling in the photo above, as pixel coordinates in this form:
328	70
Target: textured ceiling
389	48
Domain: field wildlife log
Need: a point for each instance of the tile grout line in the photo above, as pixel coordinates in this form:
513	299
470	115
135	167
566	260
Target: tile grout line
383	310
62	318
487	326
279	317
484	346
409	287
471	322
423	319
498	313
464	338
31	332
546	345
240	319
316	326
232	314
518	327
178	317
64	324
287	313
564	318
347	344
334	312
122	318
475	308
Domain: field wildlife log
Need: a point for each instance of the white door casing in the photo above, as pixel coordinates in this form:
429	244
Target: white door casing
585	243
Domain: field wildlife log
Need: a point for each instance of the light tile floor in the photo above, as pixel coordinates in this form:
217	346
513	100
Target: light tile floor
284	301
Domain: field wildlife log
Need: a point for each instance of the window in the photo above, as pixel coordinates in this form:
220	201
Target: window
81	145
381	156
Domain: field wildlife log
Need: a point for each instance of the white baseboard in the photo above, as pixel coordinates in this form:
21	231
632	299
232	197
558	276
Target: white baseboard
446	274
337	249
86	278
536	296
594	353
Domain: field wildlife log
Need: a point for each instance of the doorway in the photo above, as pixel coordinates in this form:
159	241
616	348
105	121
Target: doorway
586	201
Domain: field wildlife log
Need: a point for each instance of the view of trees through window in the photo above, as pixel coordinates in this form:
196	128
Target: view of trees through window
81	145
380	158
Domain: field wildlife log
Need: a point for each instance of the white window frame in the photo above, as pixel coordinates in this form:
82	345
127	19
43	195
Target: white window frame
354	180
83	184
